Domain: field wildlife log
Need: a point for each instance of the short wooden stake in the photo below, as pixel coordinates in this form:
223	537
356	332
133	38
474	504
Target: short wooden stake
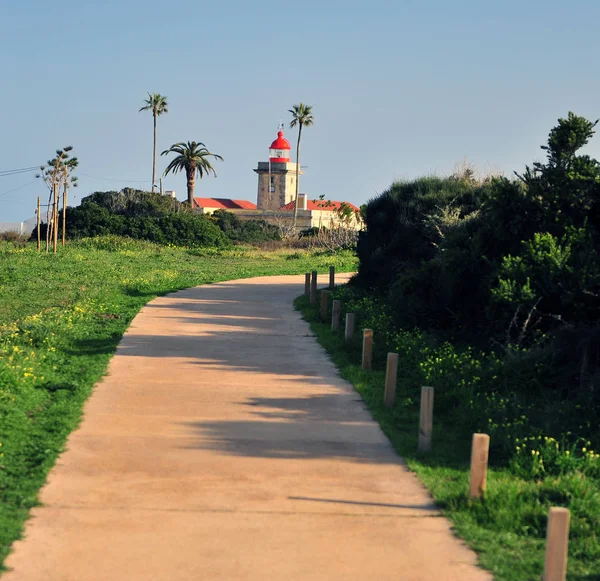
332	277
557	544
479	463
313	288
336	311
349	331
426	421
307	284
367	352
391	373
324	304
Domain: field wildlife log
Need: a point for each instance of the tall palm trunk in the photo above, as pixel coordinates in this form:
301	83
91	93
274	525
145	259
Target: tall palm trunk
191	183
154	157
297	175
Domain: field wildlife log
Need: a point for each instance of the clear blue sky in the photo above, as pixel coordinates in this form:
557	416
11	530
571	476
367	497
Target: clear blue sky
398	88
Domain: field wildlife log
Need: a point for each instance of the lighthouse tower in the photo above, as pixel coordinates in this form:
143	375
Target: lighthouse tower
276	177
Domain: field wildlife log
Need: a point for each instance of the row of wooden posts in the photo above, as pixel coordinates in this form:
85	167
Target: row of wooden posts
558	519
54	227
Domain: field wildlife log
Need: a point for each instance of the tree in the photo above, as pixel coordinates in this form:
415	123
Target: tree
567	187
301	116
158	105
192	157
58	173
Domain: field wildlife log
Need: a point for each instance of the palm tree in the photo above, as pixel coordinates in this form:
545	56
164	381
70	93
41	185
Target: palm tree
158	105
192	157
301	116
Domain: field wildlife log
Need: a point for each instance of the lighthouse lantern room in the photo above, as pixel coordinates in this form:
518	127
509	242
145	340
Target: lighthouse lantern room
279	152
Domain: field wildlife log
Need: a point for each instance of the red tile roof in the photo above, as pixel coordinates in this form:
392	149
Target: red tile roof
224	204
325	205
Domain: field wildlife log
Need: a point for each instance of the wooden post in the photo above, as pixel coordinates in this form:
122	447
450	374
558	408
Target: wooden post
332	277
367	352
39	238
426	421
391	373
313	288
55	219
324	304
479	462
557	544
335	315
349	331
307	284
64	216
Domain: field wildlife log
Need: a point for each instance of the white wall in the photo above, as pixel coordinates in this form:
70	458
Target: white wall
20	227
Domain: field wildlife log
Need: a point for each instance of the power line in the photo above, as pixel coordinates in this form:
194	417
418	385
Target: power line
19	188
30	168
13	172
113	180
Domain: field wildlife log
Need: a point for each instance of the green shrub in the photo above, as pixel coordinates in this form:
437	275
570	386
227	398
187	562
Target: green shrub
16	238
397	233
498	261
510	394
240	230
140	215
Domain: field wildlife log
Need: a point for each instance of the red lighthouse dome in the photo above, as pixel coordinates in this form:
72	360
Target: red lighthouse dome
279	152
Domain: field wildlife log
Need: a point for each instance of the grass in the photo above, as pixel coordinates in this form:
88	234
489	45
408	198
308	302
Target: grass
508	528
61	318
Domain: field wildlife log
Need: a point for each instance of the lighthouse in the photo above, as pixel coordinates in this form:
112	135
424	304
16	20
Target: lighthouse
276	177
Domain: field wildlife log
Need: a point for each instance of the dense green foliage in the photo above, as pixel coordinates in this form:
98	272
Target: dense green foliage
160	219
490	292
474	392
55	343
140	215
239	230
505	263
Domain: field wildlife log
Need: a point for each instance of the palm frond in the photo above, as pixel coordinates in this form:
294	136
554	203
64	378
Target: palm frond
156	103
301	115
191	157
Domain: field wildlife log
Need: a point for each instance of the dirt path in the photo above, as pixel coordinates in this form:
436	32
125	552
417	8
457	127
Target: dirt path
222	445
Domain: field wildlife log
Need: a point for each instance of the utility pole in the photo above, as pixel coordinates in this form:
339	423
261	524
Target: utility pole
39	240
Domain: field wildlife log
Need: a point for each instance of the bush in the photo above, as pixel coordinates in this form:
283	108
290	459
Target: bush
240	230
496	258
16	238
399	231
140	215
509	265
135	203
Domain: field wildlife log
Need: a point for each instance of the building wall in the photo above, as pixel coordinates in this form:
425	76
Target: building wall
283	218
284	175
12	227
20	227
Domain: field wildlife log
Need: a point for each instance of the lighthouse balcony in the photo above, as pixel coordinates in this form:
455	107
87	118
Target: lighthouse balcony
275	166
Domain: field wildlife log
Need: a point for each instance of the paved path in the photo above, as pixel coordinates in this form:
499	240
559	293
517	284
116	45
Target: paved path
222	446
